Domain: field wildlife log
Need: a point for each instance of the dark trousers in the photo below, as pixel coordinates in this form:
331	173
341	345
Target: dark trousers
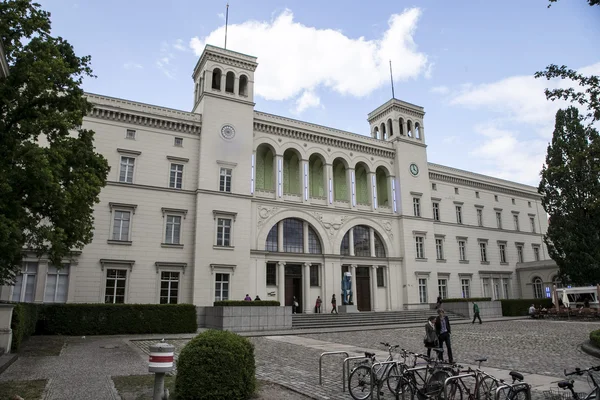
476	316
333	308
445	338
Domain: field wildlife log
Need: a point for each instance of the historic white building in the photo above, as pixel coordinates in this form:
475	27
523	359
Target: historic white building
225	201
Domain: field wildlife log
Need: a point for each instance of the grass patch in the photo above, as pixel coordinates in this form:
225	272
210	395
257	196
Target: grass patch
30	390
139	387
42	346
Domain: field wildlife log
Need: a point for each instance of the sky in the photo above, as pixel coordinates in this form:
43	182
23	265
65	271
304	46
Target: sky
470	64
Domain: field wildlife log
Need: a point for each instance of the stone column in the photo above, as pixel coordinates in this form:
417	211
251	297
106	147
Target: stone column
353	272
351	179
279	177
306	301
281	282
392	193
372	190
223	80
305	179
305	236
422	132
329	184
372	241
351	241
388	289
280	236
404	127
374	306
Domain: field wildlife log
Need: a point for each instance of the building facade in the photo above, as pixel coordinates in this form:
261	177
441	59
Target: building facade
225	201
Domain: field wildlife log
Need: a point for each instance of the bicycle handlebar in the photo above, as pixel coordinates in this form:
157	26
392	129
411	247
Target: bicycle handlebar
579	371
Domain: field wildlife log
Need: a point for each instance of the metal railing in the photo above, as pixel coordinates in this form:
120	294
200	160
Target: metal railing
346	369
456	378
385	370
330	353
515	386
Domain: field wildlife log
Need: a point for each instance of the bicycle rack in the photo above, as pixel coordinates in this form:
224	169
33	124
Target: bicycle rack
330	353
346	369
514	386
456	378
380	364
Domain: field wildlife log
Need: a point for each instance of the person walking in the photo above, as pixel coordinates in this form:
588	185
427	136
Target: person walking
438	303
442	328
247	298
476	313
431	339
294	305
318	305
333	304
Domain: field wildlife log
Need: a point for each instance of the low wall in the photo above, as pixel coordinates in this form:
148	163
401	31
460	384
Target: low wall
244	319
487	309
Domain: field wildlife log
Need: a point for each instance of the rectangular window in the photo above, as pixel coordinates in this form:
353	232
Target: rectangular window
496	289
169	287
532	223
126	171
439	249
499	219
520	253
465	286
506	288
462	250
57	284
121	225
476	194
436	211
417	206
443	288
380	277
178	142
422	290
479	217
271	274
513	201
486	287
176	176
314	275
458	214
419	240
455	190
483	251
225	180
24	288
502	248
496	197
529	204
516	220
434	186
130	134
536	253
116	281
223	232
221	287
173	234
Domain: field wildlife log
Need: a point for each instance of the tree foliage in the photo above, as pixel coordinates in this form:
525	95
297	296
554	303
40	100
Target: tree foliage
50	175
570	187
590	2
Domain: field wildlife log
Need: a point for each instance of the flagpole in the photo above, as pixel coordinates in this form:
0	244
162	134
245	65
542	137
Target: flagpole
392	79
226	21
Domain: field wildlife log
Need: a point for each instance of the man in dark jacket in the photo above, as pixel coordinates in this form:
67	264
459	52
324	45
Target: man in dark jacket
442	328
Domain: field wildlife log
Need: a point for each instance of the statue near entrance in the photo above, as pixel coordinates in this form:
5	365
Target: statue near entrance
347	289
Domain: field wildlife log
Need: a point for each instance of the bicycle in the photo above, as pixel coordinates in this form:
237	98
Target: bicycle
425	381
485	384
568	384
360	379
517	390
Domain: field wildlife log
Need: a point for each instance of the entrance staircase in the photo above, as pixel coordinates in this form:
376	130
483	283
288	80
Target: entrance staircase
307	321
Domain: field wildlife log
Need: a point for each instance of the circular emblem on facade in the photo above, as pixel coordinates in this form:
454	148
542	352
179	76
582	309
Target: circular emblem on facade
227	132
414	169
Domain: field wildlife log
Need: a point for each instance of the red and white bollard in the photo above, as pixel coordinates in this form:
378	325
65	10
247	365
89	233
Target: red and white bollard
160	362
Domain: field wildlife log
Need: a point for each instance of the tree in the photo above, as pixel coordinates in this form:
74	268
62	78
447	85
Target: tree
570	187
50	176
590	2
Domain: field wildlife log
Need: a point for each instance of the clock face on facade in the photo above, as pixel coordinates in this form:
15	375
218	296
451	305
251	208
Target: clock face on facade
227	132
414	169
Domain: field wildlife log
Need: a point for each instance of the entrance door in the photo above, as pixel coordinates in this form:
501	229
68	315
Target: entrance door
293	285
363	289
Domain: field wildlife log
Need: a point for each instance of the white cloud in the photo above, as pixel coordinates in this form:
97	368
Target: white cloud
132	65
294	58
307	100
429	71
440	89
221	16
180	45
166	56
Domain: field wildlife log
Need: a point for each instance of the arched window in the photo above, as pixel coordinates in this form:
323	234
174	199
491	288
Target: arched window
390	128
538	290
316	176
291	172
229	82
264	168
243	89
376	133
293	237
340	183
382	186
216	79
361	181
362	242
383	131
401	125
409	129
417	131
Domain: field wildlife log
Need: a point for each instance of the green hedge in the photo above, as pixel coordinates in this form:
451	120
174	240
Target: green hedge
24	321
115	319
595	337
518	307
243	303
461	300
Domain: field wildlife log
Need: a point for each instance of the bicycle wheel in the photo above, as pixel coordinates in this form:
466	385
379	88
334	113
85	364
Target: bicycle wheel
406	390
393	378
486	390
520	394
435	383
359	383
454	392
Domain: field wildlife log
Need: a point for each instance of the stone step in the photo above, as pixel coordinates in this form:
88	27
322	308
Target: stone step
305	321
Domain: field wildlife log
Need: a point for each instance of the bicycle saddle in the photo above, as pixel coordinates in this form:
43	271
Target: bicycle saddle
482	359
369	355
516	375
565	384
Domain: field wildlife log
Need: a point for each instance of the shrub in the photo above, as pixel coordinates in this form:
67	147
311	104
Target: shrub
24	320
461	300
216	365
243	303
115	319
595	337
518	307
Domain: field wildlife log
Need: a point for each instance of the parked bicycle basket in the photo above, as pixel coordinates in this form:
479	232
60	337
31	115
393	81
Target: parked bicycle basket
560	394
